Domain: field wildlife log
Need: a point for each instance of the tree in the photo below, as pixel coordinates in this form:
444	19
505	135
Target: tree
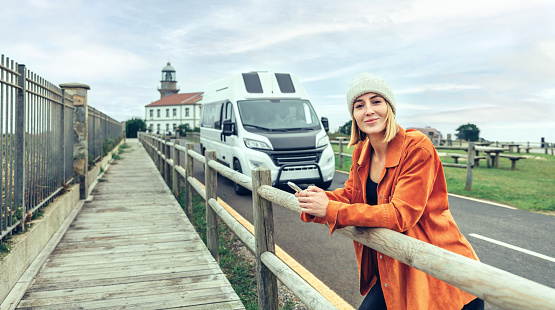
346	129
183	128
133	126
468	132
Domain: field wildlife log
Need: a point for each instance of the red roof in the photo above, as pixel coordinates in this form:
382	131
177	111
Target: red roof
177	99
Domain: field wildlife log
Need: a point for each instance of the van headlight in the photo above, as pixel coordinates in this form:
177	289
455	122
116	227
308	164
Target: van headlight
323	141
255	144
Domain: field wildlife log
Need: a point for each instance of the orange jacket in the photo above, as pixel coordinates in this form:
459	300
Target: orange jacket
412	199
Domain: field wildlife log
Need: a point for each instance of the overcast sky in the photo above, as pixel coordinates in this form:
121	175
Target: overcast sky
486	62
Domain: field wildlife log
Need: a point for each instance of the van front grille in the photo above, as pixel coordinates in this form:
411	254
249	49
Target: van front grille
296	158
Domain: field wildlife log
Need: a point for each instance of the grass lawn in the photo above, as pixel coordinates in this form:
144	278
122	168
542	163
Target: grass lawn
530	187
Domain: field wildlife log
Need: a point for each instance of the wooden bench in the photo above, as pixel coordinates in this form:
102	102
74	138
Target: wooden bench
457	156
513	159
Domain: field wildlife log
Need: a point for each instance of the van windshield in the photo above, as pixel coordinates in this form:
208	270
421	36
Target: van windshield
278	114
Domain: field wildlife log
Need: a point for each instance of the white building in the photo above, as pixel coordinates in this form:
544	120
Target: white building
165	115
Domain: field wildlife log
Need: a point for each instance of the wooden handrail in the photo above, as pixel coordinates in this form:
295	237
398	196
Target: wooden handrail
494	285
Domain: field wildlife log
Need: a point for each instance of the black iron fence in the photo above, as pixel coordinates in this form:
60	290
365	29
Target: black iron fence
37	120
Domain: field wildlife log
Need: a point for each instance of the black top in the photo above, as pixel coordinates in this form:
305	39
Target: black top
372	199
371	192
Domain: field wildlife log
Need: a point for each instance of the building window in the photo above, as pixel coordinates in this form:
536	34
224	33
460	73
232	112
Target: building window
158	113
167	127
158	131
174	127
151	113
187	112
174	113
167	112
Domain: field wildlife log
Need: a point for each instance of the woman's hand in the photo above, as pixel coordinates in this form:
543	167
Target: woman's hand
313	201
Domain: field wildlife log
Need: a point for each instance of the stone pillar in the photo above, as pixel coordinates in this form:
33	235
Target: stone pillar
80	135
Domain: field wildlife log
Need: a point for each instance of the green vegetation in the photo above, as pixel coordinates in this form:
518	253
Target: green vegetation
185	128
91	162
109	145
469	132
37	215
133	126
530	187
239	272
5	247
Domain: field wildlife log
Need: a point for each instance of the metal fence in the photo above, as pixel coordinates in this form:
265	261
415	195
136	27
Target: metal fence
36	121
101	129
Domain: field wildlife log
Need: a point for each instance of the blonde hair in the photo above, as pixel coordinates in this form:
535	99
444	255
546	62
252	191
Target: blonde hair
391	128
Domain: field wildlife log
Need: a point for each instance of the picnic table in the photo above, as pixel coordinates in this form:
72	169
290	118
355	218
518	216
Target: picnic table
510	146
456	157
492	154
513	159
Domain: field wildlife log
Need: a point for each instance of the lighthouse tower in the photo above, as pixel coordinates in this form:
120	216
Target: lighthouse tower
169	82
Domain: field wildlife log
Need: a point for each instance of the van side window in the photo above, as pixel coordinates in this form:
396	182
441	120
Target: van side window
208	116
217	115
229	115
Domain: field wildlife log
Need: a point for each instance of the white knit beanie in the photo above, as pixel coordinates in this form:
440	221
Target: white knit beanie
369	83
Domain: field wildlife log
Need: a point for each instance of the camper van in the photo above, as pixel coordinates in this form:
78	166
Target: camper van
265	119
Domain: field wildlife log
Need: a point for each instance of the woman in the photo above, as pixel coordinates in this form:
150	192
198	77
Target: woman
397	182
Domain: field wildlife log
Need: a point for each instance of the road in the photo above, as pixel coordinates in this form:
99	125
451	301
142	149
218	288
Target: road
513	240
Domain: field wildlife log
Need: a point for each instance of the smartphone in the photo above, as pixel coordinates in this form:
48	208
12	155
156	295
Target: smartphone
294	186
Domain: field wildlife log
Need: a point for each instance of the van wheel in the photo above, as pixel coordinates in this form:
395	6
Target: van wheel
324	185
239	190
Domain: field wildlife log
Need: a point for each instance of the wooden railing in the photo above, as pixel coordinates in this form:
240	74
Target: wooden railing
494	285
469	163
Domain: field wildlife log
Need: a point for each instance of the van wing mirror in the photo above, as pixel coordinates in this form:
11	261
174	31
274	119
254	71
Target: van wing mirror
228	128
325	124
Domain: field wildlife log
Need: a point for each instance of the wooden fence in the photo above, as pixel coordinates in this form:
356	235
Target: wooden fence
471	161
494	285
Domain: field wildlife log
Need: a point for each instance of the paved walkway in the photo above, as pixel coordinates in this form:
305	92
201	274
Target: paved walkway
131	247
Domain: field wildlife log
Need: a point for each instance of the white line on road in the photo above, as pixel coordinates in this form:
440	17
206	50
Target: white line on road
483	201
514	247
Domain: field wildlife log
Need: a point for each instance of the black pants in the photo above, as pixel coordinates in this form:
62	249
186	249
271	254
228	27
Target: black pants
374	300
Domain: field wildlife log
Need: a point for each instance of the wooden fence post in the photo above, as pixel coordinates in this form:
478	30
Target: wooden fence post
211	180
155	144
340	152
469	166
188	173
167	166
161	156
176	158
266	282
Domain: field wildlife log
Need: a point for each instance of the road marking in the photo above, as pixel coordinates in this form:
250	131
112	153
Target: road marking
514	247
483	201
